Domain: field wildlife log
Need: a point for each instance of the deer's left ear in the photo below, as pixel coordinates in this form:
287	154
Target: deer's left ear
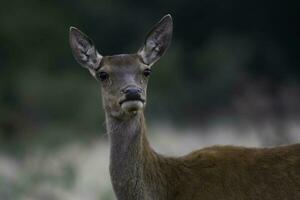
157	41
84	50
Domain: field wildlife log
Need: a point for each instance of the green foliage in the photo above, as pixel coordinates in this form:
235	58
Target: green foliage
217	46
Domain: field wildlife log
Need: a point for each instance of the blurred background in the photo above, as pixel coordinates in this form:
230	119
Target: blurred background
231	76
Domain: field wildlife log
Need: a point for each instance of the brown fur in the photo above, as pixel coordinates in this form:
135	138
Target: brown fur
219	172
214	173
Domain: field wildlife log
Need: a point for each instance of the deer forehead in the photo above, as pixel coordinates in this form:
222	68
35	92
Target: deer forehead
122	63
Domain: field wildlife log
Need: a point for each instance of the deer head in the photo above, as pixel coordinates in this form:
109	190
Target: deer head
123	77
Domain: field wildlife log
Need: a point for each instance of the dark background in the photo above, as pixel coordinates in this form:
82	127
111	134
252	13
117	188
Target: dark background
231	62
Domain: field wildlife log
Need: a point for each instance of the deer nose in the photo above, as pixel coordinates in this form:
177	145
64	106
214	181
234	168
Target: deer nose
132	93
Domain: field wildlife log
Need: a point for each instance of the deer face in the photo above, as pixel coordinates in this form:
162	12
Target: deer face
124	81
124	77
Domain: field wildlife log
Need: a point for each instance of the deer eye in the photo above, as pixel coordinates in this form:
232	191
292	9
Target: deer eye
103	76
147	72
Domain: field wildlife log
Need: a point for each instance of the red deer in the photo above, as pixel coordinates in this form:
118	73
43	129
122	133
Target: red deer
139	173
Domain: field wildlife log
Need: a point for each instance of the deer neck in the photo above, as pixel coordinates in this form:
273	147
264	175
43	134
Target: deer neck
130	154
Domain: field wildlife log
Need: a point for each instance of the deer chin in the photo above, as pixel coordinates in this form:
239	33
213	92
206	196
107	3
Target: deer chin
132	106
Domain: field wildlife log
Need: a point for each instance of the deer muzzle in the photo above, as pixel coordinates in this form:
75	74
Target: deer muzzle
133	100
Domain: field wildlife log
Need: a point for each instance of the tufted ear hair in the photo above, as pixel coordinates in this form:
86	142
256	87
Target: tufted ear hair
157	41
84	50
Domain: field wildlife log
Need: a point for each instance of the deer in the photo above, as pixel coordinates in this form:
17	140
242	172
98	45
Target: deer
139	173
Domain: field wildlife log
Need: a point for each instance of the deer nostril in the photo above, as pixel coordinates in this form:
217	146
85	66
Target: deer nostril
123	91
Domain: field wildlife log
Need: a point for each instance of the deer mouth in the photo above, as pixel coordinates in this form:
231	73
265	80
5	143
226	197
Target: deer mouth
131	100
132	105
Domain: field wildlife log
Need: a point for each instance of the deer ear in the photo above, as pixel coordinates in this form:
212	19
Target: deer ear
84	50
157	41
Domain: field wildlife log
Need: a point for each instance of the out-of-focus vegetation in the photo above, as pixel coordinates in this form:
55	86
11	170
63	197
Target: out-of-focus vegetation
238	58
230	62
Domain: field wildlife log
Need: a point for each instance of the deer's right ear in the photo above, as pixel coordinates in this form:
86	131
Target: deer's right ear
84	50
